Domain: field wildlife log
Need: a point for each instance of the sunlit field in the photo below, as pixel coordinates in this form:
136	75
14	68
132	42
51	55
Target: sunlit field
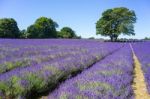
74	49
70	69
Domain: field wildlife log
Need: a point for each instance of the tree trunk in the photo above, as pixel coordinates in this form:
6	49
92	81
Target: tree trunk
113	37
116	38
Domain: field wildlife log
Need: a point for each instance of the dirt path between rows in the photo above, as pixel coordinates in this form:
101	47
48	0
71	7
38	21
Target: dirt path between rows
139	85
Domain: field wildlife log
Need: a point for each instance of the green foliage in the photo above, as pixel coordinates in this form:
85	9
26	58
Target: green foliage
11	65
67	32
116	21
52	69
9	28
32	32
4	87
93	85
16	89
63	96
13	88
42	28
23	34
35	81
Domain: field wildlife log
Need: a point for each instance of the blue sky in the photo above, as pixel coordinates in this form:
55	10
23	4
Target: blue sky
80	15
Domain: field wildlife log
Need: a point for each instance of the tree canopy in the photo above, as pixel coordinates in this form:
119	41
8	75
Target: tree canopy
116	21
9	28
42	28
67	32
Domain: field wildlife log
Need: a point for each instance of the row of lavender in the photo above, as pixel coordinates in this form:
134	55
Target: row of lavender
14	53
110	78
37	73
22	53
143	53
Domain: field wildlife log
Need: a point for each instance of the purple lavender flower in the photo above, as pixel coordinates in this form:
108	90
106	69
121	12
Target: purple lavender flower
110	78
66	57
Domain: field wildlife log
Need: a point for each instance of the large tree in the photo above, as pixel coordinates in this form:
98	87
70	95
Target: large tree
67	32
116	21
42	28
9	28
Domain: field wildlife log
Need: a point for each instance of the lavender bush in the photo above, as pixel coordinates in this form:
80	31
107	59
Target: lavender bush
110	78
46	62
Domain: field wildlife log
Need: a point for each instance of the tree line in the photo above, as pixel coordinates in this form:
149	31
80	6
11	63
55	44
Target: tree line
43	27
113	22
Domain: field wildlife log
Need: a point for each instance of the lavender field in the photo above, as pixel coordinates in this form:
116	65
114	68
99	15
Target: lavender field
70	69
